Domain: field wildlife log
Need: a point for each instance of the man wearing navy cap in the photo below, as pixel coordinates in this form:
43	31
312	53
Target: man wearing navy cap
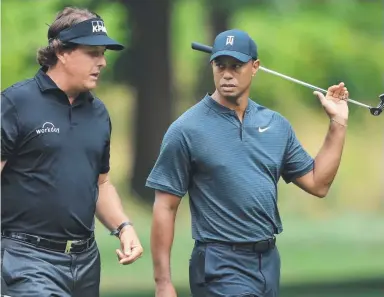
228	153
55	151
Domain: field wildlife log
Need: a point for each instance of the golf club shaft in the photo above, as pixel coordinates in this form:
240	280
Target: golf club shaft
307	85
208	49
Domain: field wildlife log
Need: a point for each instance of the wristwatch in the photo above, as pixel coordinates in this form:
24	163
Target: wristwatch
116	232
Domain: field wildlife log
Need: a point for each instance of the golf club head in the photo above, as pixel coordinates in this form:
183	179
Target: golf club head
378	110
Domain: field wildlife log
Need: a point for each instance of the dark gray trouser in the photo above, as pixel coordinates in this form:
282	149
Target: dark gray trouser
216	270
28	271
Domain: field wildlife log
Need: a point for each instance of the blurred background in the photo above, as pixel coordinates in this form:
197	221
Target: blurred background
332	247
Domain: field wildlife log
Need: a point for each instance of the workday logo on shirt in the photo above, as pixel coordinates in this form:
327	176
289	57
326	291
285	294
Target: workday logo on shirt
48	127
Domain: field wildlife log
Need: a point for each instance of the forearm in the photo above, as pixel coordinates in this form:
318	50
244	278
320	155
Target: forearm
328	159
109	209
162	234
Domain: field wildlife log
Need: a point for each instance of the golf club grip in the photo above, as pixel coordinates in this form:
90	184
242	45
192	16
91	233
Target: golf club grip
201	47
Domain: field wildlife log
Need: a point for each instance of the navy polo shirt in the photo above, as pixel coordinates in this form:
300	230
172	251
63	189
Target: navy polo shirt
55	152
230	169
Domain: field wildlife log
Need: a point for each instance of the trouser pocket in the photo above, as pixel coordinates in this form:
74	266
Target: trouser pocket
197	271
11	268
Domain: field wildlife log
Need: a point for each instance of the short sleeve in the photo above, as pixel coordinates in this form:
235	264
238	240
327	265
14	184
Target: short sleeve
105	166
171	171
297	161
9	128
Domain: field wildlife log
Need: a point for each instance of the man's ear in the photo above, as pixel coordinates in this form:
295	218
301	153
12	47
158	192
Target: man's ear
255	66
61	56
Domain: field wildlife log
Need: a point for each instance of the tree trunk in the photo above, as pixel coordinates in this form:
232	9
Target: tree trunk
218	22
147	66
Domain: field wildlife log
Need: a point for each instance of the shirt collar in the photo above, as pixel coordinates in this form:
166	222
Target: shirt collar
212	103
46	84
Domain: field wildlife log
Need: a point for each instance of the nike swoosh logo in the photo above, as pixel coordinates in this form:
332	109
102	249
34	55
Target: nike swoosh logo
261	130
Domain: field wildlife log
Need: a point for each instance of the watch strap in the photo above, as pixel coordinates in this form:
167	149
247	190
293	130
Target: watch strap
116	232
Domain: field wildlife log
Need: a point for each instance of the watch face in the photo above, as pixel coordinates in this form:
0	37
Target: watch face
115	232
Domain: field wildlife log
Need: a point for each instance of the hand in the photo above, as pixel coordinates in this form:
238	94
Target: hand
131	248
165	290
335	101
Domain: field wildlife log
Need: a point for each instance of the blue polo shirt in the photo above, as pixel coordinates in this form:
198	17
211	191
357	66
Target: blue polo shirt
230	169
55	152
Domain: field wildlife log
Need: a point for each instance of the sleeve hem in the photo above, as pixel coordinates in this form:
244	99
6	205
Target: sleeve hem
104	170
164	188
301	173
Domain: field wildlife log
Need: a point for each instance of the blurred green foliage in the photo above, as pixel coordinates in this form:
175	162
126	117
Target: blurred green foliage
320	42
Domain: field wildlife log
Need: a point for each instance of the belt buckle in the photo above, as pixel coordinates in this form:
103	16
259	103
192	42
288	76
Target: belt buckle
68	246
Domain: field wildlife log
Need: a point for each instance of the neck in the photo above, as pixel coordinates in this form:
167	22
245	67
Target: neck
63	82
239	105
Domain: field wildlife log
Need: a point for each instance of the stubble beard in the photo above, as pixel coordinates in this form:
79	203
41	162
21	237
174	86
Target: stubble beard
233	99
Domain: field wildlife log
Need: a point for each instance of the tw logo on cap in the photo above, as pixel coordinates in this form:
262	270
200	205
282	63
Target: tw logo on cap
230	40
98	26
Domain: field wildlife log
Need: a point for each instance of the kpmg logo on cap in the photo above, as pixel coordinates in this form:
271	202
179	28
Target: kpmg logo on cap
230	40
98	26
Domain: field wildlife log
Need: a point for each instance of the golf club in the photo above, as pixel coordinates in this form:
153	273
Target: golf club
373	110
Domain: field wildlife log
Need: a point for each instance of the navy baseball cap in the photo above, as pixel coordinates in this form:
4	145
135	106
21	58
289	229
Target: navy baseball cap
235	43
89	32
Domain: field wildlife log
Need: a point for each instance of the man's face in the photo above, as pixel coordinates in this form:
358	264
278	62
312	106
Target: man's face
232	77
83	66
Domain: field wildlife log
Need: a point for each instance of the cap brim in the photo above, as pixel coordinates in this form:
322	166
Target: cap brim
237	55
98	40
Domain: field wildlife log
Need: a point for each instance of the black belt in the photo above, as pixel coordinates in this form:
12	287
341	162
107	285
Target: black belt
257	247
67	247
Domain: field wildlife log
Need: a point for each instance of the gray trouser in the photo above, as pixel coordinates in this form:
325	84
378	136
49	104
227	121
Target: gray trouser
219	270
29	271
